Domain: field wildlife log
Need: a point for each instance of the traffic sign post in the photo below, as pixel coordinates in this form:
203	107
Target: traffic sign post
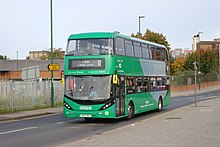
53	67
51	52
195	68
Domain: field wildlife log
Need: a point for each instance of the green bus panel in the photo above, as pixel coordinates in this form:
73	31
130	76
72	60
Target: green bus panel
88	111
148	101
143	102
109	66
130	66
121	64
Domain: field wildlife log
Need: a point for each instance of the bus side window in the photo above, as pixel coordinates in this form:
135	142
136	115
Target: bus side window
153	84
138	84
146	84
153	52
167	87
150	52
164	83
130	85
159	84
129	48
162	54
158	56
119	46
145	51
137	50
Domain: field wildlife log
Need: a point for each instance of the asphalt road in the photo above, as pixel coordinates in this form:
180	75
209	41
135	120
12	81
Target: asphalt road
55	129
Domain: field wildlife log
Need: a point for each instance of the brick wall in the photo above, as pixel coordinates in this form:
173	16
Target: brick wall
192	86
17	75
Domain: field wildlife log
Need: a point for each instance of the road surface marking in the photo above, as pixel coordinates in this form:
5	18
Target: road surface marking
18	130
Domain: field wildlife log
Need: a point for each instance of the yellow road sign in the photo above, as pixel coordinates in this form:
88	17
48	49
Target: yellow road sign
53	66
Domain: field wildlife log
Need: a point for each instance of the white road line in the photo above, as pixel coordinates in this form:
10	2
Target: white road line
18	130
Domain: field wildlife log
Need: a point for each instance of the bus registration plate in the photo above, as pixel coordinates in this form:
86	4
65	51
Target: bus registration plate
85	115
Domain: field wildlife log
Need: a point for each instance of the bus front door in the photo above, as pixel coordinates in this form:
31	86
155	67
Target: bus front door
120	97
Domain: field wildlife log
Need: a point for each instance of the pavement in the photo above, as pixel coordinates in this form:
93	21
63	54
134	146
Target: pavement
29	114
186	126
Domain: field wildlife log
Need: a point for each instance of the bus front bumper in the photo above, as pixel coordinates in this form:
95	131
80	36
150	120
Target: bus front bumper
88	114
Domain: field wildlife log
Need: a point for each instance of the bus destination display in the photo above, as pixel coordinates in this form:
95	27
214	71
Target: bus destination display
86	63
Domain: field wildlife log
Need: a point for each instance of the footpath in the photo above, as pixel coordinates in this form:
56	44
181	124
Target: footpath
29	114
187	126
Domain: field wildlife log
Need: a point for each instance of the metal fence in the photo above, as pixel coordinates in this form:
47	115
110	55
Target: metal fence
190	79
27	94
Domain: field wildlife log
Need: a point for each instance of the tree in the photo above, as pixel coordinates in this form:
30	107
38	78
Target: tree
153	37
208	62
177	65
57	54
3	57
189	60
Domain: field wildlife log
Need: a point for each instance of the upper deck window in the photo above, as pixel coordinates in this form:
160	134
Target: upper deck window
119	46
145	50
129	48
137	49
89	47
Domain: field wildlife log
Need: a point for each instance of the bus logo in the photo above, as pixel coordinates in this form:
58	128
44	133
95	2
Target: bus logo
85	108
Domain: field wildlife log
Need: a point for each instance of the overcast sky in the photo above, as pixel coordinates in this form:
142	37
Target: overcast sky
25	24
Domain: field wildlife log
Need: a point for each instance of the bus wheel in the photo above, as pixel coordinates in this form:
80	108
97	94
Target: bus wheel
130	111
160	104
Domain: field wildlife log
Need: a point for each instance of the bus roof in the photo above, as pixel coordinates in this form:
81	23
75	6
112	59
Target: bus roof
109	35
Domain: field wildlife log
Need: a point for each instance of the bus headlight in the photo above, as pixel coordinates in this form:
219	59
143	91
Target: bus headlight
67	106
107	105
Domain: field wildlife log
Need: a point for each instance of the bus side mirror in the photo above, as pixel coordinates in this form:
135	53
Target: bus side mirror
115	79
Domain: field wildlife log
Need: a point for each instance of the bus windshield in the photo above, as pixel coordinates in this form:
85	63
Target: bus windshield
88	87
90	47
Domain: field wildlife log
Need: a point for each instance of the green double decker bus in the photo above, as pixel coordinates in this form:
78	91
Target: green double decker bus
110	75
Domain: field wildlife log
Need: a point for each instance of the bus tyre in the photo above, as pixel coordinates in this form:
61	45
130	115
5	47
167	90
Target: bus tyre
130	111
160	104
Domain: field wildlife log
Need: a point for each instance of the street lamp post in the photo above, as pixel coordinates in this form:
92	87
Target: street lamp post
218	57
195	67
51	52
199	72
139	22
17	64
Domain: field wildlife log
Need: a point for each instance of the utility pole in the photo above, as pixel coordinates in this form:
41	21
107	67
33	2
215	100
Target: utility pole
51	52
17	64
139	27
195	67
199	72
